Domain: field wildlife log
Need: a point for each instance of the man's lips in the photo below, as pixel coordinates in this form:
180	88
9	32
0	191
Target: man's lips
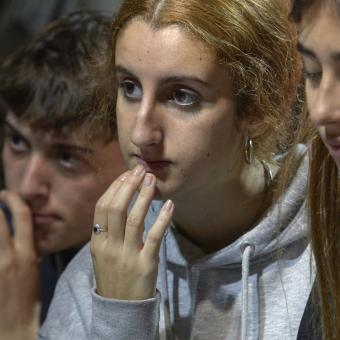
152	164
39	218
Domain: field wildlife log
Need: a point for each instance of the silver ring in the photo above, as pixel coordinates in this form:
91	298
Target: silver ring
97	229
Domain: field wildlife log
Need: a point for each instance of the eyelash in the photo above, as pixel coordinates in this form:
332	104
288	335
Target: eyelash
311	75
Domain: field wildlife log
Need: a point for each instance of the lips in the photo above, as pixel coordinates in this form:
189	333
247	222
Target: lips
334	142
152	164
333	145
39	218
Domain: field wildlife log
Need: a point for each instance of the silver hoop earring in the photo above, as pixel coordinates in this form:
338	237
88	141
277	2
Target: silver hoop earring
248	150
268	174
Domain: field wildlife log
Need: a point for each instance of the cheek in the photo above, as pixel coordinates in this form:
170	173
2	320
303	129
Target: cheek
123	127
12	169
309	102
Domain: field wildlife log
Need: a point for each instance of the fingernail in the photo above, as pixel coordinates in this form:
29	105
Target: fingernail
148	180
168	206
138	170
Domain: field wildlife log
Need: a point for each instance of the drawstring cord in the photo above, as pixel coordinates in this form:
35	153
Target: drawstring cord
248	250
165	292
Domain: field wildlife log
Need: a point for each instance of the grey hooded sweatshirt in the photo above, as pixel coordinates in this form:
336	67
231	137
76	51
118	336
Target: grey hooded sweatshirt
254	288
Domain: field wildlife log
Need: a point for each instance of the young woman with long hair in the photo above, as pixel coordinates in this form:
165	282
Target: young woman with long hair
196	240
318	23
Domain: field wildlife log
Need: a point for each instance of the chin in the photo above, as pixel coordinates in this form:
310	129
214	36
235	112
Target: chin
45	245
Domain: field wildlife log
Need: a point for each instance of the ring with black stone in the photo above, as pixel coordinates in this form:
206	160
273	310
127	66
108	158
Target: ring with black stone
97	229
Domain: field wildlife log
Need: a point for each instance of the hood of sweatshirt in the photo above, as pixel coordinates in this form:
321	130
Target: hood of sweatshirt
283	224
280	228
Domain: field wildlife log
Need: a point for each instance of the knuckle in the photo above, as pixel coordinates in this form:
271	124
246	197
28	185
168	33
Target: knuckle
111	259
132	222
154	238
144	193
116	207
101	206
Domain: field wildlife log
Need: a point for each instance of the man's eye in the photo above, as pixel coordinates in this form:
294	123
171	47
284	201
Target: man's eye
185	97
67	159
16	142
131	89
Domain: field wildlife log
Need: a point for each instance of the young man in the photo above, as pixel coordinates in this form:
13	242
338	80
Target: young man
59	155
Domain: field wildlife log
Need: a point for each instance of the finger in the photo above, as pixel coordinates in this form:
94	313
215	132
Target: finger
21	219
5	237
102	207
156	233
135	222
120	203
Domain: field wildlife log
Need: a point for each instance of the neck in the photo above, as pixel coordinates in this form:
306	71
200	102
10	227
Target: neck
219	216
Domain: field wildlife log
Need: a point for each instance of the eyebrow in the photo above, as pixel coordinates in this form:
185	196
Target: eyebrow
335	56
57	145
171	79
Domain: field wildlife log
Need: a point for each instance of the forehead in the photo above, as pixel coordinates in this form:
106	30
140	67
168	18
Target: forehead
76	136
167	50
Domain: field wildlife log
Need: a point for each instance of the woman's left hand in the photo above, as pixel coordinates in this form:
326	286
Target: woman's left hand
126	267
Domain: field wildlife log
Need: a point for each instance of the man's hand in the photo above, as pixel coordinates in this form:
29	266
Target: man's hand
19	273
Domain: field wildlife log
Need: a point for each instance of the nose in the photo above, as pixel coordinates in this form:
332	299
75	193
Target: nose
34	185
147	129
324	103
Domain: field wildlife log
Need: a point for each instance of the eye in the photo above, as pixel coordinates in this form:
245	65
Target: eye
185	97
131	89
16	142
67	159
312	75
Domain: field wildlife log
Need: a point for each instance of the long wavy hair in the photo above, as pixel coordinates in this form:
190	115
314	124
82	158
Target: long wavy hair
324	212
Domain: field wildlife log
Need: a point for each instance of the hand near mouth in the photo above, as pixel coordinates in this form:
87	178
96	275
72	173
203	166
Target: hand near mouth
19	272
125	266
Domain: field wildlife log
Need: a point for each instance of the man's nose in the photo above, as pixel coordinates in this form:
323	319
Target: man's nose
35	178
